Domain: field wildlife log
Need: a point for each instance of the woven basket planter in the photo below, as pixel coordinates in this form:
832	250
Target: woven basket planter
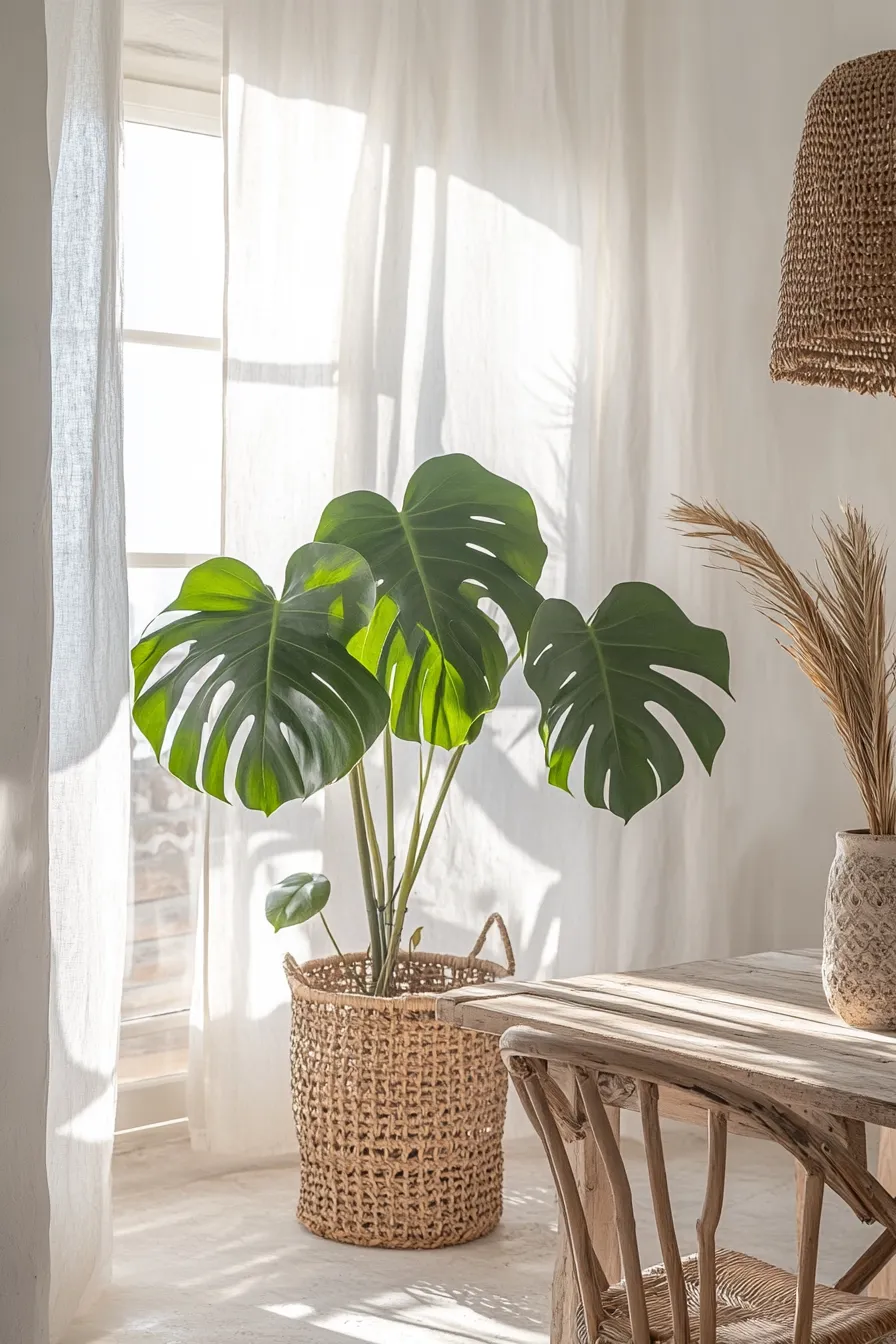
399	1118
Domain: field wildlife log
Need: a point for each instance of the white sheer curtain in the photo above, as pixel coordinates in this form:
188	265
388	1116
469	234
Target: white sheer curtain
545	232
63	739
89	794
410	269
24	670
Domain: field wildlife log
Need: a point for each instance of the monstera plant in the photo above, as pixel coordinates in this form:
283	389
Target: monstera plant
401	623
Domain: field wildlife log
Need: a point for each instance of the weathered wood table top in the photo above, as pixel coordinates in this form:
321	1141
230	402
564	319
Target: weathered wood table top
763	1017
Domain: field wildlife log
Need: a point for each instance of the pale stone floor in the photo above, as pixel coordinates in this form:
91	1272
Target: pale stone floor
205	1254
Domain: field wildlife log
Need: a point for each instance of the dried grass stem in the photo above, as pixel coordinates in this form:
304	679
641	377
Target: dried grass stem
834	627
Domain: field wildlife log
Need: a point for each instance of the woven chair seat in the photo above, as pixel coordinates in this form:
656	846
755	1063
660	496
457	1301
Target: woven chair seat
736	1299
755	1306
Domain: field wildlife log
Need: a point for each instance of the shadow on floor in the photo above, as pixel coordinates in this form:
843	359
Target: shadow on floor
206	1253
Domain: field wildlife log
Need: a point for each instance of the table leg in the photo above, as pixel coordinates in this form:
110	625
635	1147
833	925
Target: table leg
884	1285
597	1200
856	1142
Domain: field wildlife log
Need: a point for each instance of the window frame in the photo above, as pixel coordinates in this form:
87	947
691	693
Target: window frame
175	108
154	1110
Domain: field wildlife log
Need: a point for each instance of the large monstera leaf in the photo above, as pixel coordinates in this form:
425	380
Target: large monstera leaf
596	680
282	662
461	536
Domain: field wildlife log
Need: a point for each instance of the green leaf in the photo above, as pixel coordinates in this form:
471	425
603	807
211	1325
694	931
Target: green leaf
281	662
296	899
461	536
595	680
414	940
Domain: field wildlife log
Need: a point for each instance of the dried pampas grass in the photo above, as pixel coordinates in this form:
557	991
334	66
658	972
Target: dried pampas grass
834	627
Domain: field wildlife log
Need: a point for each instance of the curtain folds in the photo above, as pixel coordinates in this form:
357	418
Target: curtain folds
547	233
410	270
25	614
63	733
89	762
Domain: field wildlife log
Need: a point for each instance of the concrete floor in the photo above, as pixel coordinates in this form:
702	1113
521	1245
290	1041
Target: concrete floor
205	1254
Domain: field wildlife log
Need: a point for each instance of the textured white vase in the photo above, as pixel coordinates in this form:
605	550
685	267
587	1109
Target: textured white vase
859	958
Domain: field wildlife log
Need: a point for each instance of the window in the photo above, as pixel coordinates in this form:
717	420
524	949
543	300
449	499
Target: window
173	248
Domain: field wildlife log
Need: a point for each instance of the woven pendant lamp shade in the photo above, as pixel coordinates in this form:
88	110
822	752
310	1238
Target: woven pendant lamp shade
837	308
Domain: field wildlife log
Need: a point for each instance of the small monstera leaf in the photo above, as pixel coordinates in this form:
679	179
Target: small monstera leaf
281	662
462	535
296	899
596	679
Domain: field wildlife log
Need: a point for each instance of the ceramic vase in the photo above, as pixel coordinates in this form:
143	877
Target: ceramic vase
859	955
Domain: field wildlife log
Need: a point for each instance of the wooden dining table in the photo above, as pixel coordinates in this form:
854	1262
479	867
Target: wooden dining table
761	1018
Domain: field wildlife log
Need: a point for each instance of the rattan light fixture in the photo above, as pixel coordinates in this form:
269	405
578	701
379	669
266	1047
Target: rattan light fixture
837	308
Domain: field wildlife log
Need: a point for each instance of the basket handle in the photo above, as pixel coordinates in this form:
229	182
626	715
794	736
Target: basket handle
294	971
479	944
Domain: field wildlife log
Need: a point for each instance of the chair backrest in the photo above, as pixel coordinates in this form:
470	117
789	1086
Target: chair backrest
597	1062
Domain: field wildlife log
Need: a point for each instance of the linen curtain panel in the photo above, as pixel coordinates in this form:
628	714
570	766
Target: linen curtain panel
64	819
546	233
408	273
25	669
89	758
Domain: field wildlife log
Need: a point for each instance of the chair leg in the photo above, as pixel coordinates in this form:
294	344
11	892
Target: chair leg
808	1257
799	1184
589	1275
709	1221
622	1200
597	1201
648	1099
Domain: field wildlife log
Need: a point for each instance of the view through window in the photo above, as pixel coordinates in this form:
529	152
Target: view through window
173	249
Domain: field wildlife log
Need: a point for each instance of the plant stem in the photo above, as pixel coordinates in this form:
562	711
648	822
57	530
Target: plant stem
373	843
407	880
349	968
437	807
390	827
404	891
424	778
373	923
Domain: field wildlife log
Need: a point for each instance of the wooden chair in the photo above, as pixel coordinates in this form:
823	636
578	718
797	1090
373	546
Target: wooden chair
716	1296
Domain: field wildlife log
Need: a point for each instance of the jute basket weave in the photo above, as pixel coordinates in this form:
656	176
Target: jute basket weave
837	308
399	1117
